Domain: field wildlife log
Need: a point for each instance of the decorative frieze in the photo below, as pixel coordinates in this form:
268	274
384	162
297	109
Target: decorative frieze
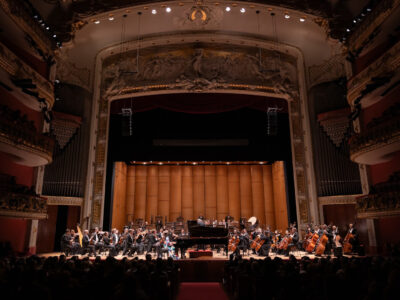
61	200
23	206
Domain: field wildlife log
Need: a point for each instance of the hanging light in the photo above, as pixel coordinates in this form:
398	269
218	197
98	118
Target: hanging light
168	9
242	10
228	9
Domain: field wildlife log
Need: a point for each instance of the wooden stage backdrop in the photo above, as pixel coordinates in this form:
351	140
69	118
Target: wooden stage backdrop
213	191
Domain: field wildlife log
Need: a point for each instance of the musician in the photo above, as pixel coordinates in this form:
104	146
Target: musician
244	241
140	242
337	242
266	246
183	234
159	224
86	243
116	240
97	240
293	238
329	244
200	221
128	246
353	241
66	245
74	242
108	244
151	240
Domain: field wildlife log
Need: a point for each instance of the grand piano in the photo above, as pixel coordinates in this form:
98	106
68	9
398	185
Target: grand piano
203	235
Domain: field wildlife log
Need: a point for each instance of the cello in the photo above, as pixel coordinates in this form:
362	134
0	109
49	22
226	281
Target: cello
233	243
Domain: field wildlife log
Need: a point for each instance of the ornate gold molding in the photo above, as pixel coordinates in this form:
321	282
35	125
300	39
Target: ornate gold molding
335	200
26	23
18	69
388	63
23	206
383	136
61	200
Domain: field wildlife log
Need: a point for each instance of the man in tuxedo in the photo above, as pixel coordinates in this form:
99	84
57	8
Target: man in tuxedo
108	244
159	224
66	242
97	240
295	239
86	243
151	241
128	247
265	247
354	241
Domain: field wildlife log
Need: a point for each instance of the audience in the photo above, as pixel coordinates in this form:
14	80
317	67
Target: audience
60	278
326	278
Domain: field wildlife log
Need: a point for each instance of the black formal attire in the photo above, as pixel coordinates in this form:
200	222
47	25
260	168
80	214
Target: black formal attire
266	246
139	244
159	225
86	245
97	241
66	243
151	241
244	242
108	245
293	243
128	245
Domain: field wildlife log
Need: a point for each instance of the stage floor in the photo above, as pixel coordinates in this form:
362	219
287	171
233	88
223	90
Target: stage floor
216	256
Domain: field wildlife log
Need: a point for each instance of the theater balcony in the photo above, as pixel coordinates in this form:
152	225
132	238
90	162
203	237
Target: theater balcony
383	200
379	141
18	201
20	140
377	80
24	82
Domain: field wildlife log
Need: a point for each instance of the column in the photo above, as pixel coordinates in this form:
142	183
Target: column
130	193
210	192
175	203
268	197
152	193
222	192
198	191
187	192
140	192
234	192
163	191
257	190
246	197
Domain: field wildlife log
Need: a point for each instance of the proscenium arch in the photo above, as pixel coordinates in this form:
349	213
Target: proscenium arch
304	183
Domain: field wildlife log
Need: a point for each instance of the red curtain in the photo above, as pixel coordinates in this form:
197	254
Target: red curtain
199	103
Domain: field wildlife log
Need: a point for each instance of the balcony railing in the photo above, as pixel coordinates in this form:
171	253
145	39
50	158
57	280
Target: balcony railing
24	139
23	206
376	143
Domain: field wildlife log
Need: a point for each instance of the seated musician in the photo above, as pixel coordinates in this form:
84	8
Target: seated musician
294	239
266	246
200	221
75	245
244	241
139	243
128	243
97	240
86	243
151	241
66	245
108	244
337	242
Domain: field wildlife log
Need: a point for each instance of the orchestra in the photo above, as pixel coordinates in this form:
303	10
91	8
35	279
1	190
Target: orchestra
244	239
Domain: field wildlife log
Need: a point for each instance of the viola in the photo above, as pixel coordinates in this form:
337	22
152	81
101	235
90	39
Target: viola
313	242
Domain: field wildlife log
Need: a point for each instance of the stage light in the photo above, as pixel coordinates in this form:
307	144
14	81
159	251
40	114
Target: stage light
302	20
287	16
154	11
168	9
36	16
242	10
368	9
354	21
111	18
54	35
96	22
348	29
228	9
47	28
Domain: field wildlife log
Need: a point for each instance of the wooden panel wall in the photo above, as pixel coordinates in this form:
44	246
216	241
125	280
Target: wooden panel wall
146	191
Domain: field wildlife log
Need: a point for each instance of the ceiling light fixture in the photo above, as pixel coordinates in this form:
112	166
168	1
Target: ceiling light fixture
228	9
168	9
111	18
302	20
348	29
154	11
54	35
354	21
242	10
96	22
287	16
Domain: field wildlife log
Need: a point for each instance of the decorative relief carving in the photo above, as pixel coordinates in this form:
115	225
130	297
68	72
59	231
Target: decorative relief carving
23	206
200	15
69	73
330	70
332	200
200	67
60	200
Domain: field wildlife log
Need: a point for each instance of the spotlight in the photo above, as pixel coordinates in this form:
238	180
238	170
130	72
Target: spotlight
242	10
47	28
97	22
54	35
354	21
36	16
302	20
228	9
111	18
168	9
368	9
348	29
154	11
287	16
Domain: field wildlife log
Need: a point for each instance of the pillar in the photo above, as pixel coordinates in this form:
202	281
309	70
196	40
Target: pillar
187	192
175	203
140	192
130	193
268	197
257	190
222	192
246	201
234	192
210	192
163	191
198	191
152	193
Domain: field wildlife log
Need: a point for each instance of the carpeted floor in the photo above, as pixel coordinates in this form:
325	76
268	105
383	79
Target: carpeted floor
201	291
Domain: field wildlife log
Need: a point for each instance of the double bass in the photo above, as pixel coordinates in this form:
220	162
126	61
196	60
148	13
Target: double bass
321	245
312	243
347	246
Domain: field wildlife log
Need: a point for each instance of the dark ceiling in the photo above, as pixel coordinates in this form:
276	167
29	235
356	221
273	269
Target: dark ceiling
61	14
